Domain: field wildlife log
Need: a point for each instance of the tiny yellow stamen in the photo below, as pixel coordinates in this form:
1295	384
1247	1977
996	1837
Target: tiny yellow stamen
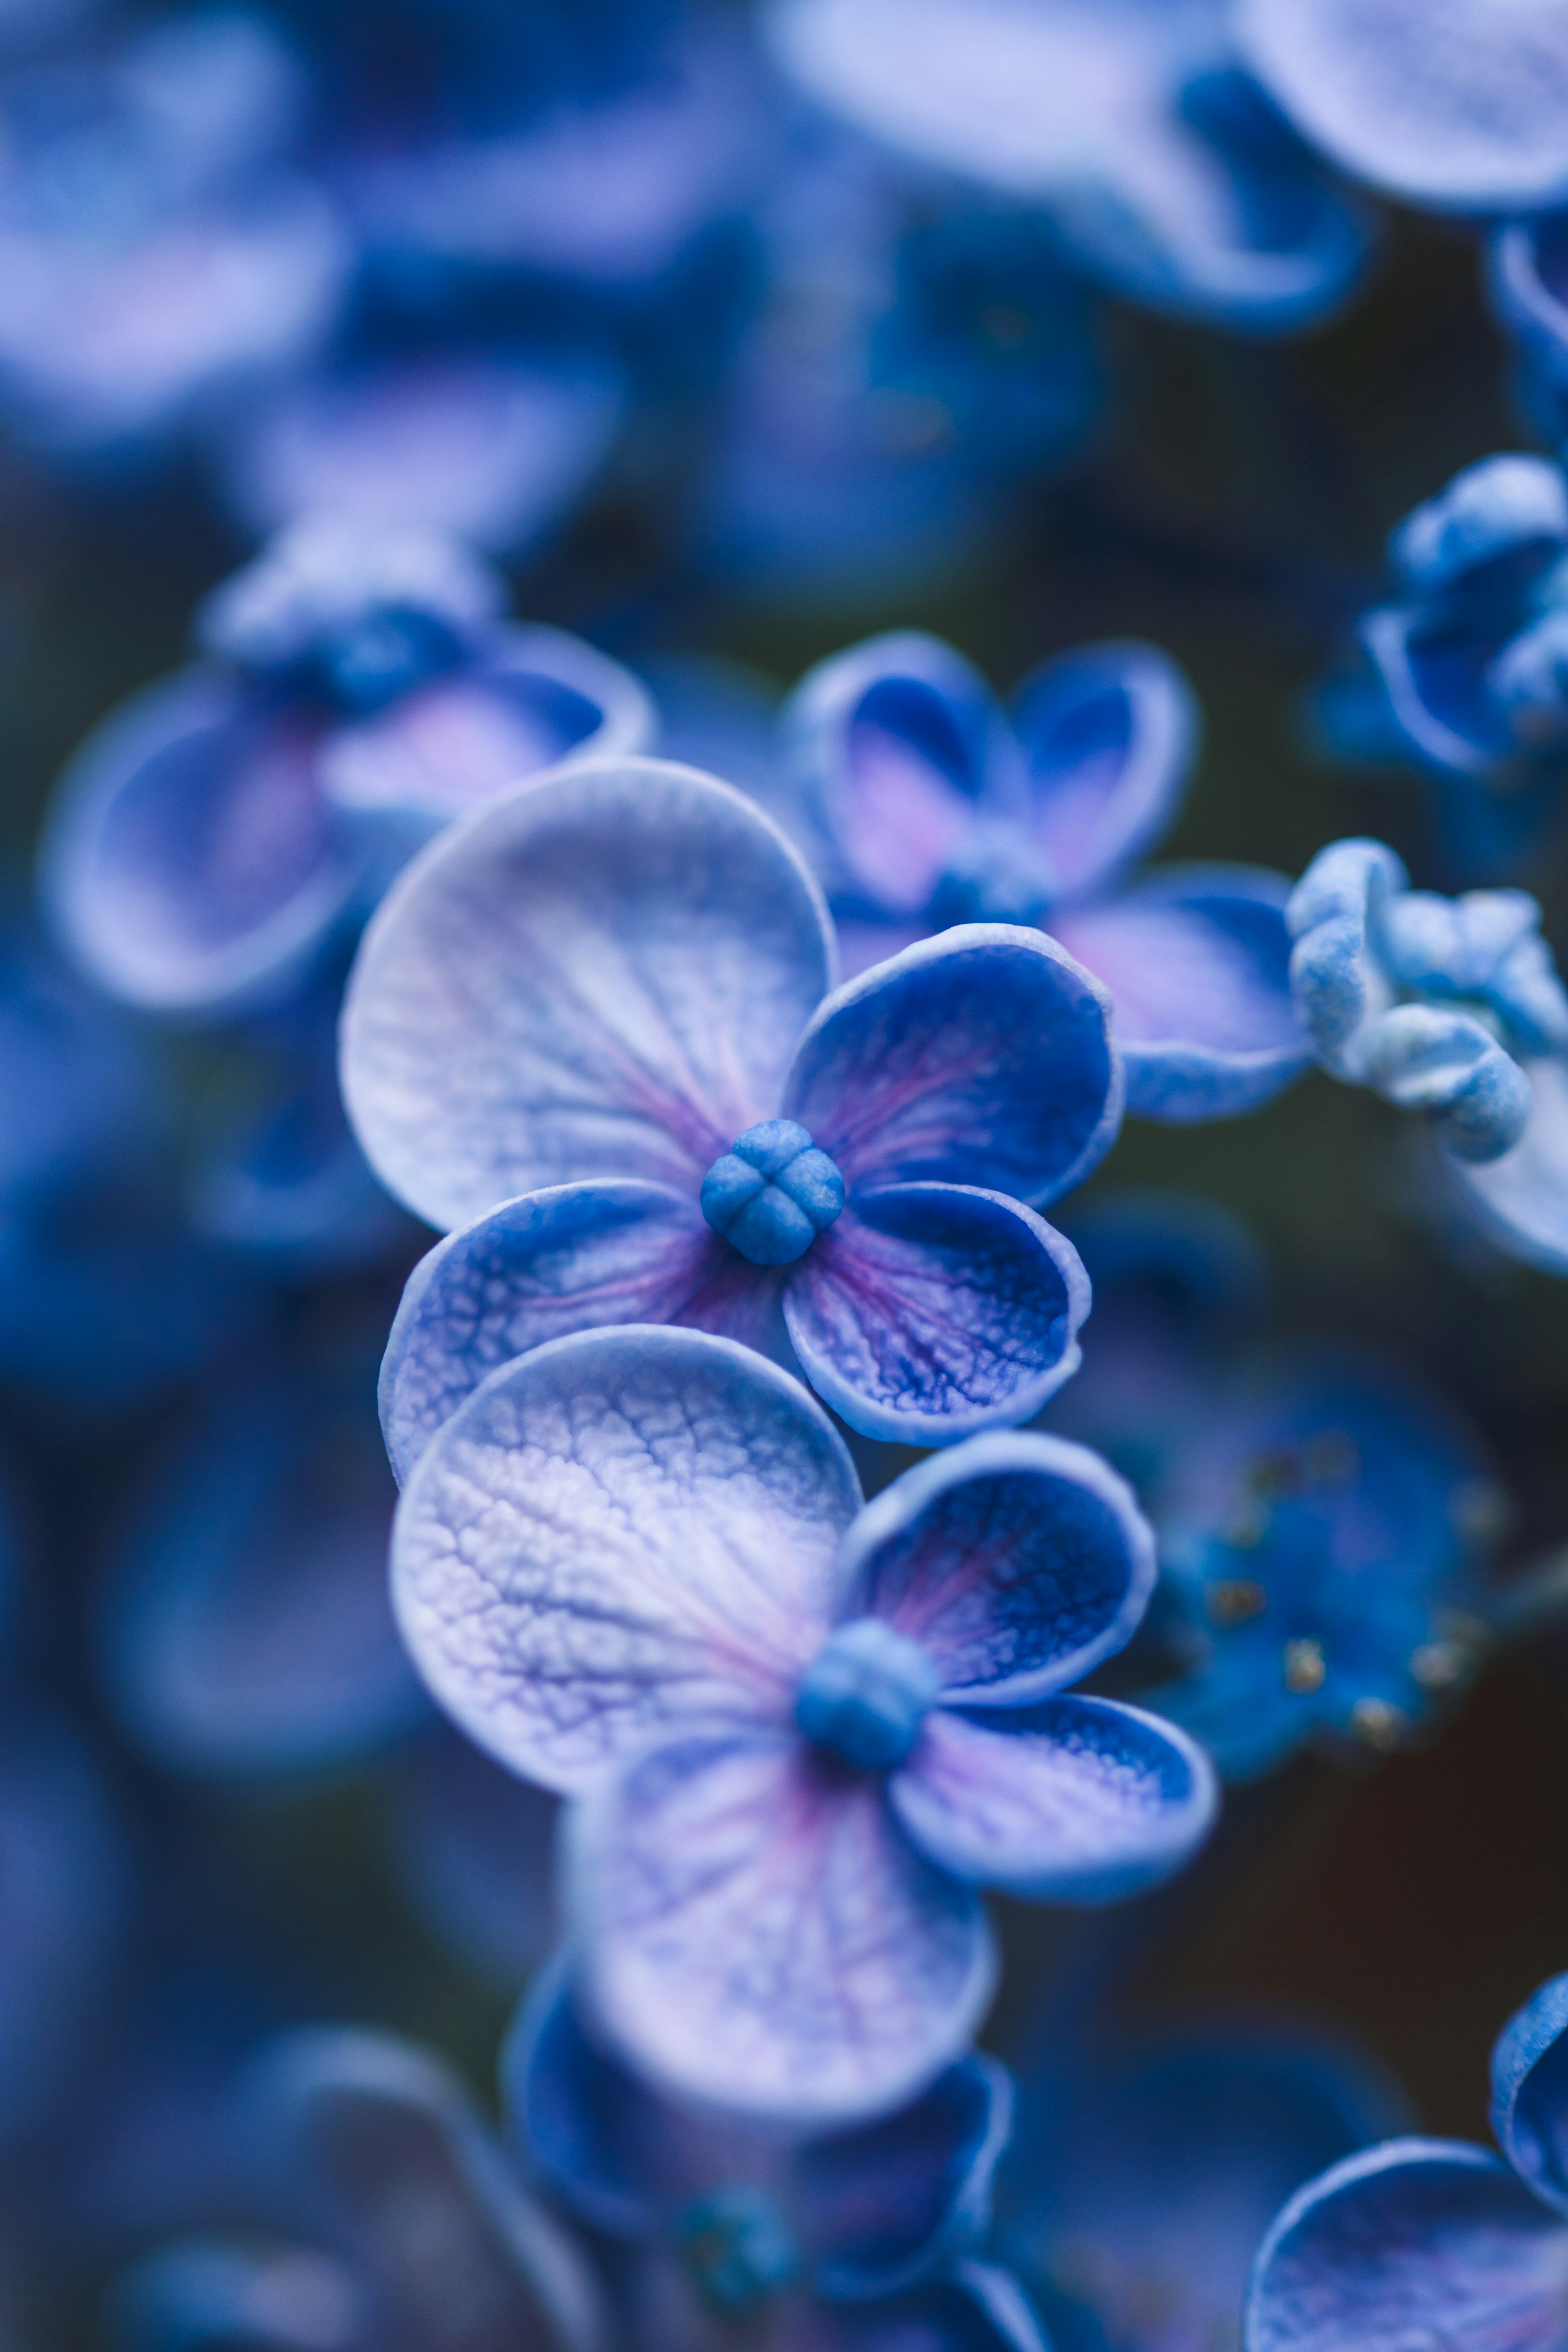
1305	1666
1236	1600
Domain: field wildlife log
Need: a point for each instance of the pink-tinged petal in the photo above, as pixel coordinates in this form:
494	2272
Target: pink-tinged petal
602	974
1418	2245
1076	1800
757	1934
981	1057
616	1533
1109	735
1017	1562
189	859
1197	963
930	1311
572	1259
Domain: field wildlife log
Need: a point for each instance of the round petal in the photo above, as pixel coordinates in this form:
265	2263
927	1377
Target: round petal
1017	1562
1416	2244
1530	2091
1452	104
1109	736
571	1259
980	1057
1075	1800
1520	1200
1197	963
758	1934
615	1534
603	974
189	860
930	1311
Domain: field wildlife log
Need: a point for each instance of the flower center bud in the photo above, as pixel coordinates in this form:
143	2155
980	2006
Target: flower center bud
773	1194
994	876
371	661
866	1693
739	2248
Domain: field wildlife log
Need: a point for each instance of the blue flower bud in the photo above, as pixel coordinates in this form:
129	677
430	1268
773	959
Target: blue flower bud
773	1194
866	1694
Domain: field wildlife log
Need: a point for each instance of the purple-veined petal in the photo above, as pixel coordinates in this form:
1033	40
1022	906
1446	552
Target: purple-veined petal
602	974
571	1259
1415	2243
930	1311
1529	2091
1448	103
1520	1200
618	1533
900	741
376	2142
882	2205
758	1934
1110	735
980	1057
189	860
1197	963
494	451
1018	1563
535	697
1075	1800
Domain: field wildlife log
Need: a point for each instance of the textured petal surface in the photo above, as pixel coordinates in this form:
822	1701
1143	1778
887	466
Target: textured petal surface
570	1259
885	2204
1109	735
1453	103
604	974
979	1058
1418	2245
758	1934
1529	2091
1018	1563
929	1311
1075	1800
1197	964
1520	1200
616	1533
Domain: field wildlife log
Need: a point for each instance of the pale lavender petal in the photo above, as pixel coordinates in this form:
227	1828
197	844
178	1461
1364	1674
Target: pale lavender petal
1076	1800
1017	1562
980	1057
616	1533
1110	735
757	1934
602	974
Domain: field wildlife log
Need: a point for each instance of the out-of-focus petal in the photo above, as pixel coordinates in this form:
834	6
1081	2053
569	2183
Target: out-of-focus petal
473	1848
758	1934
1197	963
979	1058
602	974
616	1533
1109	735
885	2205
930	1311
1075	1800
976	2307
209	2294
1529	2091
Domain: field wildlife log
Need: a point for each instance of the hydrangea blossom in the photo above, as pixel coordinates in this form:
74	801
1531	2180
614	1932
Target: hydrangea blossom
596	1029
941	808
1421	2242
798	1734
1164	173
1452	1009
844	2240
359	691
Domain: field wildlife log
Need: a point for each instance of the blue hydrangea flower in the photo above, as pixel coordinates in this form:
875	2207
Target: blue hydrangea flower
1164	171
1144	2176
606	1006
1451	1008
798	1734
405	2221
1456	105
358	692
1435	2242
715	2225
941	808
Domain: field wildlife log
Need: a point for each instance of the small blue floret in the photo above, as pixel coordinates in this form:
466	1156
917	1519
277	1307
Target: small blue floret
773	1194
739	2249
866	1694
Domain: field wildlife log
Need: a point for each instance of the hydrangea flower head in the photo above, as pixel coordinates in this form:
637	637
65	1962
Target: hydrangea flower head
1430	2241
943	808
596	1029
799	1734
211	837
